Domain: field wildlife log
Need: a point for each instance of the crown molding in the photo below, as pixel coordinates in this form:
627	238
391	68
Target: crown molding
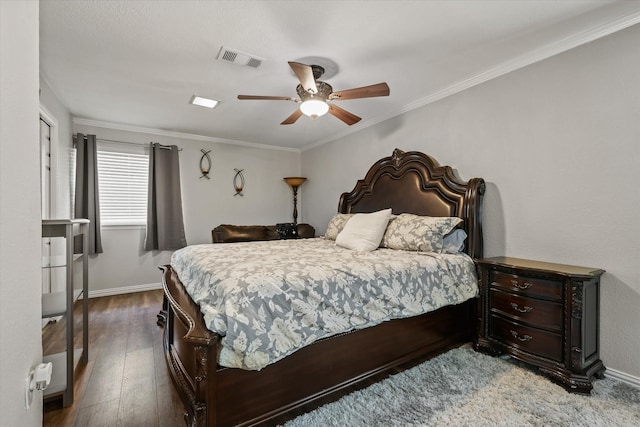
172	134
567	43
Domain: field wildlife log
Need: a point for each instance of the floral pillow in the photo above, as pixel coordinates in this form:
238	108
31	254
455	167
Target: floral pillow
418	233
336	225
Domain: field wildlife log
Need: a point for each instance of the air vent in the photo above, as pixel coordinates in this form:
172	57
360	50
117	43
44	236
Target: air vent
237	57
254	62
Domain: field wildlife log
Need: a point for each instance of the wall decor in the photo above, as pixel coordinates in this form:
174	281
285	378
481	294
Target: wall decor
205	163
238	182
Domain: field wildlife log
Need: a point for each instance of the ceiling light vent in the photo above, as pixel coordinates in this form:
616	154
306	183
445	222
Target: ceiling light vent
237	57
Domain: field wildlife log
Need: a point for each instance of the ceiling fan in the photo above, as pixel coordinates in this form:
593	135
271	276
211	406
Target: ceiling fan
315	94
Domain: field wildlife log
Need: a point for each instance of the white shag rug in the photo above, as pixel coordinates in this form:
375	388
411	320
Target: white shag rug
466	388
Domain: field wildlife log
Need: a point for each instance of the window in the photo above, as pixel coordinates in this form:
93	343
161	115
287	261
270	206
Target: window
122	178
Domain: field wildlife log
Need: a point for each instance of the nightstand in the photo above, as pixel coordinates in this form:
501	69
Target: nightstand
544	314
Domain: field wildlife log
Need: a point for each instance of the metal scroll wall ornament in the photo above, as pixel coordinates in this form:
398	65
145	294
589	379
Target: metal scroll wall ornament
205	163
238	182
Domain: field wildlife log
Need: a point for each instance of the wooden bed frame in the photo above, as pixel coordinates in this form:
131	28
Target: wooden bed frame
215	396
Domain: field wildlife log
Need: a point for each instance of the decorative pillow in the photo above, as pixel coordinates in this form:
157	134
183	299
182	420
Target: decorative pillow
418	233
363	232
453	243
336	225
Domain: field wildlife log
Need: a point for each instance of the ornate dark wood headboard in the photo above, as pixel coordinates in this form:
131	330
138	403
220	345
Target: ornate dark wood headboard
414	182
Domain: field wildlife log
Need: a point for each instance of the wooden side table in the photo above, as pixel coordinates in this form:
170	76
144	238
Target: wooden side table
544	314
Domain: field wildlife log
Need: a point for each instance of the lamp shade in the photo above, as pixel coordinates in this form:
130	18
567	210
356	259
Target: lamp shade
295	181
314	108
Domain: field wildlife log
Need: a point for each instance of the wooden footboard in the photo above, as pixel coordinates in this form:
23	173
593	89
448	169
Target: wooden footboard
189	347
216	396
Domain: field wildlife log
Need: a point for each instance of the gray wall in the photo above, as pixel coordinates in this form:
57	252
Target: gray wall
20	226
206	203
558	144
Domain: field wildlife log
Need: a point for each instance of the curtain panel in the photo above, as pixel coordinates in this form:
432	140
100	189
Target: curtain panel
165	224
87	199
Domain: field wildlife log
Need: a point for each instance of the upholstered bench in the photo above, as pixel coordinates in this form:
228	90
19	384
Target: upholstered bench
227	233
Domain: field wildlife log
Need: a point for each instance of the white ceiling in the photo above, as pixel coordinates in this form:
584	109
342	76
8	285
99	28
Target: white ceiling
137	63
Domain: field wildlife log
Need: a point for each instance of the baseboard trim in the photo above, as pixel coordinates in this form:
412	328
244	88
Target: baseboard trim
124	290
624	377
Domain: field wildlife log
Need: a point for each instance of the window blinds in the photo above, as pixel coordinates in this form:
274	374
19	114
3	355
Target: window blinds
122	177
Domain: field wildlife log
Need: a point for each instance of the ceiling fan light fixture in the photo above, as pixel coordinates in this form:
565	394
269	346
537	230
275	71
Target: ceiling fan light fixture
314	108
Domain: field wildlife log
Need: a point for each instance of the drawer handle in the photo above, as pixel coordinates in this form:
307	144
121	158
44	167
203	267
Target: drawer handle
523	338
526	308
525	285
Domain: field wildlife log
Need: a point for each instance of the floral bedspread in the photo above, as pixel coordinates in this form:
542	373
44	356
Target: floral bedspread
268	299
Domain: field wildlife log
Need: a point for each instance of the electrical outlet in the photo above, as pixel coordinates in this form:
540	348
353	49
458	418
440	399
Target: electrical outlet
38	379
28	392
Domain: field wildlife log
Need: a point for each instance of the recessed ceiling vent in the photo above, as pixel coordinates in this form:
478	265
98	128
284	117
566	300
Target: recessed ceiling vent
237	57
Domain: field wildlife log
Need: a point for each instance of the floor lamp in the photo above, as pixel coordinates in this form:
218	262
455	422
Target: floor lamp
295	182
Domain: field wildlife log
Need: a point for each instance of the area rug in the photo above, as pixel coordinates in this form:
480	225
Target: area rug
466	388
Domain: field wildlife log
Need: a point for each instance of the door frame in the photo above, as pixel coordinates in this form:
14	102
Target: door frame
53	161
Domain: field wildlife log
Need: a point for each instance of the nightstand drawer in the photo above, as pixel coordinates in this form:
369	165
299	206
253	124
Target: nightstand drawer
542	313
527	285
531	340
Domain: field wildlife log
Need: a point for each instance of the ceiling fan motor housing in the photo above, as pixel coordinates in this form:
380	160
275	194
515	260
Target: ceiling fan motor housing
317	71
324	90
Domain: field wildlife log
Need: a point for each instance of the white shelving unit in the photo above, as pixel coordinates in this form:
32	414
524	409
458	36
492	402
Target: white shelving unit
61	304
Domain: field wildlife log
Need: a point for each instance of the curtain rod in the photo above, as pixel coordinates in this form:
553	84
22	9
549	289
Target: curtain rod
166	147
132	143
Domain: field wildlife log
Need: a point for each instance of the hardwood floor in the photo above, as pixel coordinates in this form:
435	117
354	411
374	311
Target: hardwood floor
125	383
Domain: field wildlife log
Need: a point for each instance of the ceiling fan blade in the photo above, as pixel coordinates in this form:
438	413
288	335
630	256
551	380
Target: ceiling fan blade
343	115
305	75
380	89
292	118
272	98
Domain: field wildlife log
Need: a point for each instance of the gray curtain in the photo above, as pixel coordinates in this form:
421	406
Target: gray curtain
87	200
165	225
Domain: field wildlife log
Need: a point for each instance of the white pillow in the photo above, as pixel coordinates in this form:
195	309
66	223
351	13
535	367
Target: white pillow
363	232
